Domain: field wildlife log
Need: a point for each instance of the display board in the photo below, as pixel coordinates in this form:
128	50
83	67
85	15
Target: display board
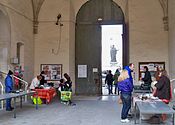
152	67
52	71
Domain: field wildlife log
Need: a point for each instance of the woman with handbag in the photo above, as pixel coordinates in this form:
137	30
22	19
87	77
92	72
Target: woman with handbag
163	89
125	87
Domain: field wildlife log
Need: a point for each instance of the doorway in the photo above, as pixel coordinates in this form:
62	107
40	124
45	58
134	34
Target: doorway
88	46
112	52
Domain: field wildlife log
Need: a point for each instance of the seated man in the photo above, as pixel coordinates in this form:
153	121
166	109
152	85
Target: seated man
35	82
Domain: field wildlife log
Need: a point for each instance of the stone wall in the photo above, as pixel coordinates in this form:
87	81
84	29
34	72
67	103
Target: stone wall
50	47
148	40
21	29
171	15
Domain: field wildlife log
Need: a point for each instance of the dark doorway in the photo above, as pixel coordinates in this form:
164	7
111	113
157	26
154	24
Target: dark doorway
88	48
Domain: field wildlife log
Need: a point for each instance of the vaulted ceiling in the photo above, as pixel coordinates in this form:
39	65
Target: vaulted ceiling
36	4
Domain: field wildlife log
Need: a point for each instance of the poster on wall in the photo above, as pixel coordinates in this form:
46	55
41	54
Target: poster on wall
152	67
52	71
82	71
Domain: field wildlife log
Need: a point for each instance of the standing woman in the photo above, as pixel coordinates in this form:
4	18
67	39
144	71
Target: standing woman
125	87
116	75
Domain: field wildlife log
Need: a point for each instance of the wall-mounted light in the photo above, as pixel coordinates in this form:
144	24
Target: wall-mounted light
58	19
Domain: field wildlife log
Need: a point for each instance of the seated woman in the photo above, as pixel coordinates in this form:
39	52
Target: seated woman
68	82
163	87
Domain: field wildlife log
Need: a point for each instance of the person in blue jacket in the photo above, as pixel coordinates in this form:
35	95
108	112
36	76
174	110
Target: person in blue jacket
125	87
130	69
8	89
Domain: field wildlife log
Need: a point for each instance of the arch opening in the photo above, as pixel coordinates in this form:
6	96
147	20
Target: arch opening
88	46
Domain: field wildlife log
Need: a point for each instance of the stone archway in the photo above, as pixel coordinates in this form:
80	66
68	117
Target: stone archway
5	39
88	43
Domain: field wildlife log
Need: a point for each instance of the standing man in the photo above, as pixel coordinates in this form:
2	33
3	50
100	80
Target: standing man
147	78
8	89
109	80
130	69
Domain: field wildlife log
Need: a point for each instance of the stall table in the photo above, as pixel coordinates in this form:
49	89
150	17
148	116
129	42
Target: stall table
150	106
46	94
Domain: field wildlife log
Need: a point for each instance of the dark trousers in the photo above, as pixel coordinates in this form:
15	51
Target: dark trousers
126	100
110	88
8	104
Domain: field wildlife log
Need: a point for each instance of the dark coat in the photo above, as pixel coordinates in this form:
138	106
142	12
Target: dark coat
147	78
109	79
163	88
42	81
8	84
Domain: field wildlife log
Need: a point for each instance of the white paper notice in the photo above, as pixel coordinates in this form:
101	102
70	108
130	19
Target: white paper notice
82	71
95	69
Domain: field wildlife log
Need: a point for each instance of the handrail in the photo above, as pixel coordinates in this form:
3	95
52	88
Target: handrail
2	90
26	83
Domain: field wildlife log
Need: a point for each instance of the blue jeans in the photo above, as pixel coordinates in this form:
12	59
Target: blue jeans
126	100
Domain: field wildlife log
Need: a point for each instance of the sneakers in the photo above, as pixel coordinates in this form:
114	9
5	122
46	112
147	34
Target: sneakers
124	120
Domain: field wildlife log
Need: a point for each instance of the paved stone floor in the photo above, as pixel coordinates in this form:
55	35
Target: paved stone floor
88	111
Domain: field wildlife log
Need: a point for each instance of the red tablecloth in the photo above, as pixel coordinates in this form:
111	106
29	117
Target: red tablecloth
47	94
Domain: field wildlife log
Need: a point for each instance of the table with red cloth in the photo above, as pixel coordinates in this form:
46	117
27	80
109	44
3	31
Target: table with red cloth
47	94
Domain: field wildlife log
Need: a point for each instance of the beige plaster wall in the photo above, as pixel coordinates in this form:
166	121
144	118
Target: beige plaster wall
148	40
20	15
171	15
47	39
